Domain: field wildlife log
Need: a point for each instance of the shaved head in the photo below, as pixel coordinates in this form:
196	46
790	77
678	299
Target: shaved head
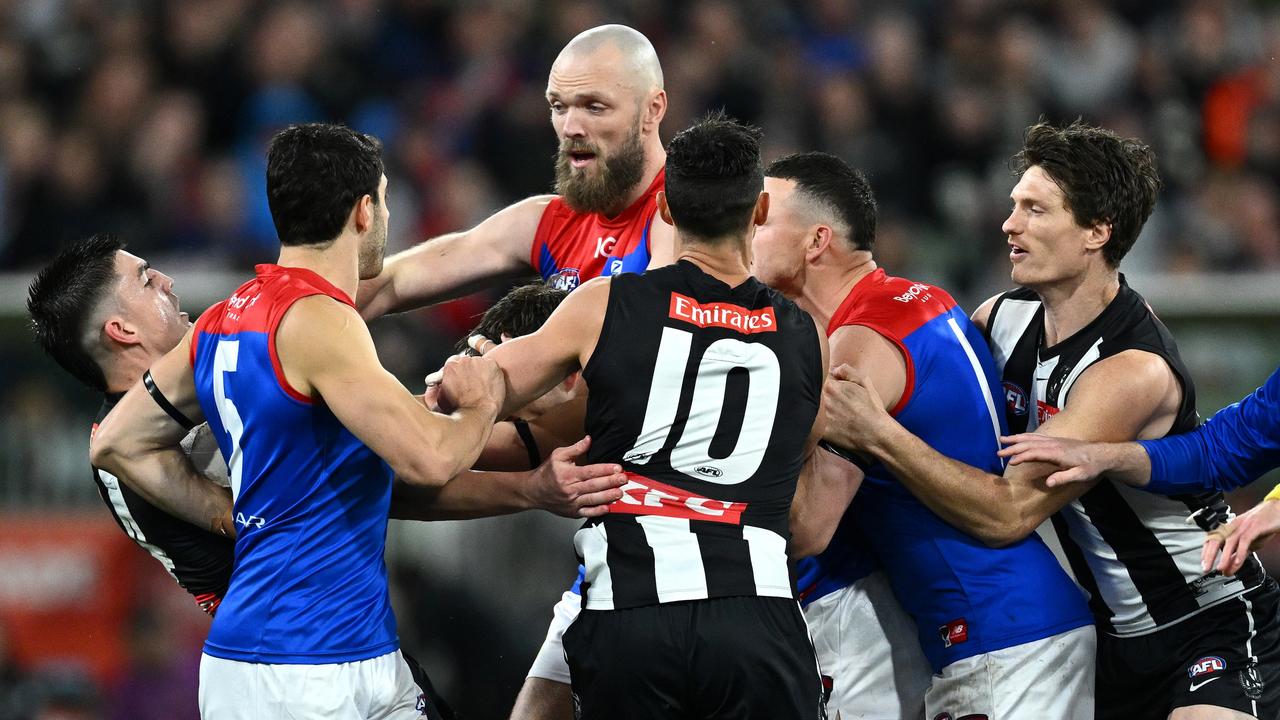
629	48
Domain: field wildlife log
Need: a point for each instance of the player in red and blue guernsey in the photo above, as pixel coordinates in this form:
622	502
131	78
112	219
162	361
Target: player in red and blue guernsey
313	428
982	613
605	92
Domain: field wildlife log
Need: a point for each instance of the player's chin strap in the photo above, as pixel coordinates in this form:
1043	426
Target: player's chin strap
163	402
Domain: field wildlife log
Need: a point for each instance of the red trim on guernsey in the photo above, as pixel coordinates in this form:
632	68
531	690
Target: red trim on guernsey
645	496
557	214
893	307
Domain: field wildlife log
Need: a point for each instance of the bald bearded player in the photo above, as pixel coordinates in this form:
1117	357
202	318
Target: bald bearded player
605	92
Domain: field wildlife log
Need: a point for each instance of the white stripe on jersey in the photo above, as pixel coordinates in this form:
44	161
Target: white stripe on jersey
677	559
592	545
979	373
768	561
131	528
1014	317
1090	357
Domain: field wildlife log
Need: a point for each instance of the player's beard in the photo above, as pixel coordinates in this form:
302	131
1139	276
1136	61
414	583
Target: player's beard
373	249
605	190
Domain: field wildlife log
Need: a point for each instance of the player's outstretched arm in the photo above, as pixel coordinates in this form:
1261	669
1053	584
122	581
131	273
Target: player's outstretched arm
452	265
559	485
139	444
326	352
1231	449
533	364
1120	398
1079	461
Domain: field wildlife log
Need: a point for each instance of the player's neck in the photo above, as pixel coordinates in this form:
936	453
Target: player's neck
725	261
126	367
337	262
827	284
1071	304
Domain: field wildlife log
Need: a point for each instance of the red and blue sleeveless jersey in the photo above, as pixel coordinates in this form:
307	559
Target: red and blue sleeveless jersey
309	584
966	598
571	247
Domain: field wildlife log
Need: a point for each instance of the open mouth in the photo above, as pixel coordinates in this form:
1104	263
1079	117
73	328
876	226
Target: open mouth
1016	253
581	159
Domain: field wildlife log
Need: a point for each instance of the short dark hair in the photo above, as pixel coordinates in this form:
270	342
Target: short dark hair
519	312
713	176
837	187
63	297
315	174
1105	178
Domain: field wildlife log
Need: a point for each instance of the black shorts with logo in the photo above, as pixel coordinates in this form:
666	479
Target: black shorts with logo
736	657
1227	656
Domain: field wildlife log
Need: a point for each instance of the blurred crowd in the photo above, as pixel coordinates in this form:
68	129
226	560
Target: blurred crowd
149	117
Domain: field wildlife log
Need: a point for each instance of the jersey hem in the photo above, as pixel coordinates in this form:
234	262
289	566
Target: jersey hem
301	658
603	603
1188	616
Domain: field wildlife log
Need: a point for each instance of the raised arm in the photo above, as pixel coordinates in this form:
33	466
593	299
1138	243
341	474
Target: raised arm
325	350
1130	395
139	442
452	265
532	364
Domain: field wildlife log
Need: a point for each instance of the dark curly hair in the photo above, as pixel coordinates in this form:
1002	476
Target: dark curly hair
1105	178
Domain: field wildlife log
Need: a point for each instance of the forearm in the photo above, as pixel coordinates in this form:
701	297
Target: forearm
167	479
439	269
1230	450
460	441
471	494
980	503
823	492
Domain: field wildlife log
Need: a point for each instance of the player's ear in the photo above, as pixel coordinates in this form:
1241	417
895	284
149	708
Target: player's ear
655	109
362	214
120	331
761	213
664	210
820	239
1099	234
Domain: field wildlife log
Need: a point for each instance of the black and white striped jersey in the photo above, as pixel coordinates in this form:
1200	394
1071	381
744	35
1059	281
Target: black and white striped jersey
199	560
1132	551
706	395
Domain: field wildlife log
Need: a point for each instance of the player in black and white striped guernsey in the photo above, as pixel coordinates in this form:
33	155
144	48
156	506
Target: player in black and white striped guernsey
105	315
1083	357
704	385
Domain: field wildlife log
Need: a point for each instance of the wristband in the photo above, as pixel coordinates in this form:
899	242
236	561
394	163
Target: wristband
1274	494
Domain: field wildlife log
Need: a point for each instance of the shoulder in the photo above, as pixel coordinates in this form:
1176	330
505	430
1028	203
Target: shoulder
1130	378
318	320
982	315
895	306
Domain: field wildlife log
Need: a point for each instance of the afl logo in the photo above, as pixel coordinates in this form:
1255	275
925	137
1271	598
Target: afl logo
708	471
565	280
1015	398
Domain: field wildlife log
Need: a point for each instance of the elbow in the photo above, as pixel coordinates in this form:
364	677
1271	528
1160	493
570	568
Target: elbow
1006	529
421	474
805	545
